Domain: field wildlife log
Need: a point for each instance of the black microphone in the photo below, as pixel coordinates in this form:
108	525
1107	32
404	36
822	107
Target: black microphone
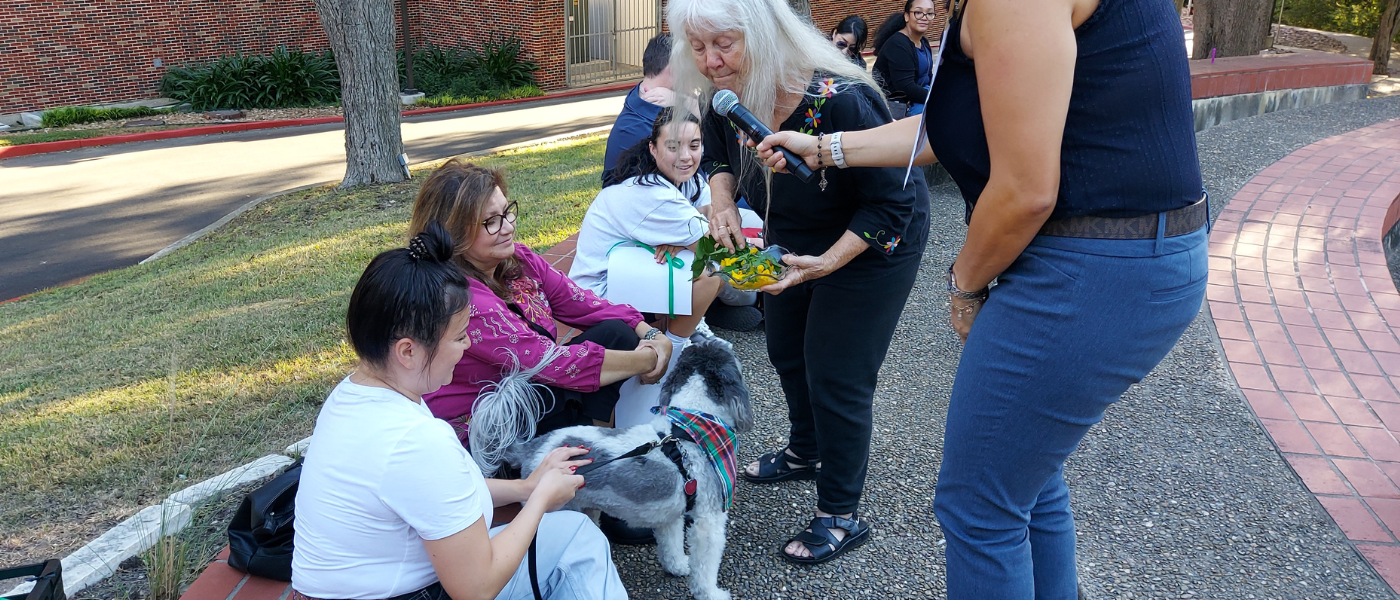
727	105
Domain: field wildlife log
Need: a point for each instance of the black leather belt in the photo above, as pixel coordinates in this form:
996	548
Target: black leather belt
1181	221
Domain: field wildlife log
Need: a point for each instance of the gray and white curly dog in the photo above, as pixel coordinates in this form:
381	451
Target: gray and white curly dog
648	490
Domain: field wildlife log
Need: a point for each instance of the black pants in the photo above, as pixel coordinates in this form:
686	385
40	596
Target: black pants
570	407
827	339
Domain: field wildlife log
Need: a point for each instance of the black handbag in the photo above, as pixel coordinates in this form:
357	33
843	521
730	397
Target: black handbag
48	580
260	535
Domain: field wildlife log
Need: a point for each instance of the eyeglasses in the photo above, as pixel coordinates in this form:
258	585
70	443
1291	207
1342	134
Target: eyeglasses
841	44
494	223
920	15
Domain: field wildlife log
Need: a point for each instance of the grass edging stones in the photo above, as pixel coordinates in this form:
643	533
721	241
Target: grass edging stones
122	389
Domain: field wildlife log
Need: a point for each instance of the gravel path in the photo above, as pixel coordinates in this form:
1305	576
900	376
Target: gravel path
1178	494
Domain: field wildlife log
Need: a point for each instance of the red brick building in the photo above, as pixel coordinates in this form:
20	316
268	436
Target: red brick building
73	52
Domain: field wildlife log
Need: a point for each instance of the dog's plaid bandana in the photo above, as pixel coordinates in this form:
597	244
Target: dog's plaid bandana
714	437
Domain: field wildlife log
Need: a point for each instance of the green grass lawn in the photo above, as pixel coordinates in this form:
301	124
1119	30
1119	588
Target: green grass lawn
19	139
138	382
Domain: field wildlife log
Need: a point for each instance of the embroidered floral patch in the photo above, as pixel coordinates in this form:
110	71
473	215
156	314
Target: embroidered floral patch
887	246
828	87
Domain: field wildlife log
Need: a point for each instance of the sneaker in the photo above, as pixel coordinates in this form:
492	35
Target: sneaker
734	318
702	331
619	532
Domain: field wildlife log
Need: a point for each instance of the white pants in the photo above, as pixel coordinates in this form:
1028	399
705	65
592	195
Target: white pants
573	562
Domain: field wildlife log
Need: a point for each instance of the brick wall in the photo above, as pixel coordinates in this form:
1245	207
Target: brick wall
538	23
827	13
74	52
68	52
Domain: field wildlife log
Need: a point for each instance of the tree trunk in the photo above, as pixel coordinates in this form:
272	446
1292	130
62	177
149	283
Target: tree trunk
361	32
1231	27
1380	46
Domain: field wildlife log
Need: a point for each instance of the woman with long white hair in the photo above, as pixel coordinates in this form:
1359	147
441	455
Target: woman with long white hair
855	239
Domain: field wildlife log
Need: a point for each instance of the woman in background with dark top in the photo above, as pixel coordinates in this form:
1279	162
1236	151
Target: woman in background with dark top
904	59
849	36
1078	162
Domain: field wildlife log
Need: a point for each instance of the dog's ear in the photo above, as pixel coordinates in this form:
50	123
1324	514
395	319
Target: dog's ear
736	396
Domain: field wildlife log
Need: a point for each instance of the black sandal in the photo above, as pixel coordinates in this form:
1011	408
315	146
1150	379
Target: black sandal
823	544
773	468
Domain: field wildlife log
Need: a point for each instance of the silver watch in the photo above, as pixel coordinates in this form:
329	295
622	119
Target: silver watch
958	292
651	334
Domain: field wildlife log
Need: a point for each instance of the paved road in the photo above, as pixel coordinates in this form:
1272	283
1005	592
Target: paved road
69	215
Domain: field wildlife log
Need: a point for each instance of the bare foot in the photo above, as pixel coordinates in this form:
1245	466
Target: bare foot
753	467
799	550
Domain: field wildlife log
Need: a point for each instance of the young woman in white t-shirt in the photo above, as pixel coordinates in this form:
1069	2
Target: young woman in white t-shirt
655	195
390	506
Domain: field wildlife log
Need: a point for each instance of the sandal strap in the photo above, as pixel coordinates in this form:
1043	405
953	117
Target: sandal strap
777	461
811	539
851	525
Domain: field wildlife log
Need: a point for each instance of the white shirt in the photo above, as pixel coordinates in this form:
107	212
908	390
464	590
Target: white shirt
630	211
381	475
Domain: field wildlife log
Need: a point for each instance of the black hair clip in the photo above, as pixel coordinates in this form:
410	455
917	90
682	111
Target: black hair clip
417	248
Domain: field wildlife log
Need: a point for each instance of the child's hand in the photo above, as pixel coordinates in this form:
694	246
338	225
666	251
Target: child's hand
664	249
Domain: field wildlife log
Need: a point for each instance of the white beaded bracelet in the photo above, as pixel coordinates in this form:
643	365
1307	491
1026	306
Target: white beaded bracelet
836	155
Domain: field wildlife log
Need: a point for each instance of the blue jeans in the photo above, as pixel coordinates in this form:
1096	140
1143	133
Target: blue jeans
1071	325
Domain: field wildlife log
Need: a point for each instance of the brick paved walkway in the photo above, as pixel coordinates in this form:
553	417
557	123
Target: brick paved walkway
1309	318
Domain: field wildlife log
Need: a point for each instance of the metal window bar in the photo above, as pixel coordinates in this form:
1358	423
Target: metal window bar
604	39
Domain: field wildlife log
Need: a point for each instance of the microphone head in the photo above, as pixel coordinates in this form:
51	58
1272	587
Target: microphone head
724	101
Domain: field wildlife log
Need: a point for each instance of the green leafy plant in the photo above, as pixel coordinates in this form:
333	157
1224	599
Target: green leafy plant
77	115
501	60
285	78
469	72
1359	17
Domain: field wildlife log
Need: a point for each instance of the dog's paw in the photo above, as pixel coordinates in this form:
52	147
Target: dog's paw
678	568
710	594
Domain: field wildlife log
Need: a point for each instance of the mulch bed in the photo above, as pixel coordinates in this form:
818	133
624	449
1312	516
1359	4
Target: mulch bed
1293	37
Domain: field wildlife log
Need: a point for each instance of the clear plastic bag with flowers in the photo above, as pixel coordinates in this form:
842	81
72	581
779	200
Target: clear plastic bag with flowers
747	268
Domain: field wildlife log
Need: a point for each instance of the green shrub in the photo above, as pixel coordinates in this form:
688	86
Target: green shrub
286	78
77	115
496	67
1357	17
291	77
501	61
447	99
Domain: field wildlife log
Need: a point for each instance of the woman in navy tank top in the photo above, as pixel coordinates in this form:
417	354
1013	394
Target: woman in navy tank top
1067	126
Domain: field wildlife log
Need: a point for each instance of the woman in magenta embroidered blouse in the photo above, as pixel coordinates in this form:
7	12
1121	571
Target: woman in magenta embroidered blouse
517	297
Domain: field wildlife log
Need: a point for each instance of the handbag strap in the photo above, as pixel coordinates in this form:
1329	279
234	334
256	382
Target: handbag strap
535	327
48	579
534	575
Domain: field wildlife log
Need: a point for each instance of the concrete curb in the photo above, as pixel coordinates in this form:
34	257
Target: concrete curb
191	238
64	145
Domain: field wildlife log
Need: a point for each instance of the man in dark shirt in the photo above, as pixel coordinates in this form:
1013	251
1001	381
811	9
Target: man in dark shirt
644	102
